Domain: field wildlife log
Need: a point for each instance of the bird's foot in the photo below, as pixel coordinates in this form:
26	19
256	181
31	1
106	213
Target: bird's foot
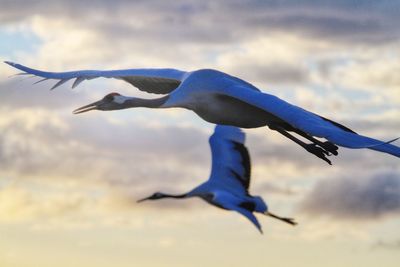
283	219
319	152
330	147
289	221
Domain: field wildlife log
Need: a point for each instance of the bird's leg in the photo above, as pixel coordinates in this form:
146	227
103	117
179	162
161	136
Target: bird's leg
328	146
312	148
284	219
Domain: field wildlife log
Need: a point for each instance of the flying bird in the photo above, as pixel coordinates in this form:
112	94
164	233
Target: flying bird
229	181
220	98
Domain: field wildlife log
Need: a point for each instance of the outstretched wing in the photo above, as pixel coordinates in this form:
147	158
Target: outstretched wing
157	81
309	122
248	214
231	166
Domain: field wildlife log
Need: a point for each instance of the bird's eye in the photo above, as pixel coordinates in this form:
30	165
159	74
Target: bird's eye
109	97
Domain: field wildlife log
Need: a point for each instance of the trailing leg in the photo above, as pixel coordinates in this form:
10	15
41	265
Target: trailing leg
284	219
312	148
328	146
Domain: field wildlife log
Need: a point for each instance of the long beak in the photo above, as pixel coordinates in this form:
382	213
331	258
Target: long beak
143	199
92	106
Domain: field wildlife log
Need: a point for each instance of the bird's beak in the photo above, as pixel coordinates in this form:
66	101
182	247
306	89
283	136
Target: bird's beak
92	106
143	199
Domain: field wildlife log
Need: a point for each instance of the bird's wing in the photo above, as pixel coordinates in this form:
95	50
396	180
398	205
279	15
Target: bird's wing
157	81
248	214
231	166
309	122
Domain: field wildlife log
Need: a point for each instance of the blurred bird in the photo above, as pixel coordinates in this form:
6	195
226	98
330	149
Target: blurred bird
222	99
228	185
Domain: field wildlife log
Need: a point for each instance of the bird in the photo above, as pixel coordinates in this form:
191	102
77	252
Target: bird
228	184
220	98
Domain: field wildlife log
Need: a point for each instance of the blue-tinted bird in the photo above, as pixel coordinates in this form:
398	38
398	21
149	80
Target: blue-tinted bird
228	185
222	99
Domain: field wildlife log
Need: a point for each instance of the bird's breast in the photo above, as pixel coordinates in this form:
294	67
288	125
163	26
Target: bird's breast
222	109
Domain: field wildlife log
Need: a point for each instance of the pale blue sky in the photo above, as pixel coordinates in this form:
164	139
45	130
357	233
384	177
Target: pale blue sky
13	42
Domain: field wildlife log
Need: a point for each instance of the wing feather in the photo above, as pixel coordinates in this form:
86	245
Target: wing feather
230	159
309	122
157	81
248	214
77	81
60	82
152	84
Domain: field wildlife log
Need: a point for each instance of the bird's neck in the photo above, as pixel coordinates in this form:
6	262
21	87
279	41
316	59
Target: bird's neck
133	102
175	196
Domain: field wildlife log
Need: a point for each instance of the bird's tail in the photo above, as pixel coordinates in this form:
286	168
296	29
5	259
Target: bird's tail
353	140
387	148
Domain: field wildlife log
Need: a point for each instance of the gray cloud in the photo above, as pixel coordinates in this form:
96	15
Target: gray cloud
219	21
190	34
277	154
97	149
133	159
273	188
272	73
17	93
355	197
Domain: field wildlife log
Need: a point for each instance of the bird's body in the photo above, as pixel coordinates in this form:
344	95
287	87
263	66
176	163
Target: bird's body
203	92
227	187
226	110
220	98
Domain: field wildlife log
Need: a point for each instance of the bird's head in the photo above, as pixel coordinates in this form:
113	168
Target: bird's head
154	196
111	101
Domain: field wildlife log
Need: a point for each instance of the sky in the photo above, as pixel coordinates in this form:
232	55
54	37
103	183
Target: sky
69	183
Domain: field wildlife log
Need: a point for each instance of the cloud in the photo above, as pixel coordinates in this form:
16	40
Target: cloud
194	35
78	146
16	94
204	22
17	203
274	188
105	164
266	46
355	197
269	148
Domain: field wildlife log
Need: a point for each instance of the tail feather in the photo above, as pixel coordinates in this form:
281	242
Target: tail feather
387	148
352	140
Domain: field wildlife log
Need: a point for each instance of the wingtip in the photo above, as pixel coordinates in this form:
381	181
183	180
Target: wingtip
60	82
77	81
9	63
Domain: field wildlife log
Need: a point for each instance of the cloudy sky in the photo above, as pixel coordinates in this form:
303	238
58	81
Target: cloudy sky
69	183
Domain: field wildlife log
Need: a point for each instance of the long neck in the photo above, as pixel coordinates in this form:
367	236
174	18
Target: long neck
174	196
133	102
